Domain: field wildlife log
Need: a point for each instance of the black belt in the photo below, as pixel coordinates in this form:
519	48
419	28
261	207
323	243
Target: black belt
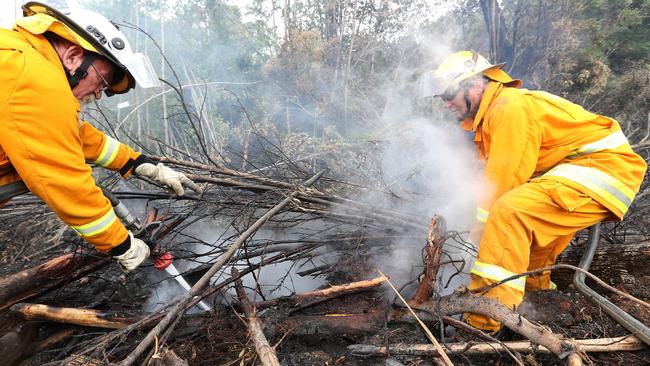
12	190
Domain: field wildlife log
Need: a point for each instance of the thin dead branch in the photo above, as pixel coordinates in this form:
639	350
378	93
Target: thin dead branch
264	350
204	281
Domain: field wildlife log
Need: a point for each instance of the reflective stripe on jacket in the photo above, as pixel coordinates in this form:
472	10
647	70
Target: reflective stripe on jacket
43	144
524	135
482	214
103	150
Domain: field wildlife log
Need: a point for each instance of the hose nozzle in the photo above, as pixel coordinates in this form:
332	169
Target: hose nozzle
163	261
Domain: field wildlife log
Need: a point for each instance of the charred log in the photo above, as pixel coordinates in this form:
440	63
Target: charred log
84	317
48	276
627	343
328	324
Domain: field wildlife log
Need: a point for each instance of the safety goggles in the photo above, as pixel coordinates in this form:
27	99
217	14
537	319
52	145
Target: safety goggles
106	85
449	94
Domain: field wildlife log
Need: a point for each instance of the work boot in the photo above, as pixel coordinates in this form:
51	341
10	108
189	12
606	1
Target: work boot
504	333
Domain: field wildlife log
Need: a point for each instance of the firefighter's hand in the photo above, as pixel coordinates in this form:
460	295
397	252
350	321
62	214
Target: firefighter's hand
167	176
134	256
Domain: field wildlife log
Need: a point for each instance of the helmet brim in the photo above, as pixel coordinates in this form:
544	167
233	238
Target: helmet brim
434	83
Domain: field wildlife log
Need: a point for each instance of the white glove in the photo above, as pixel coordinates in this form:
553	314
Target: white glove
134	256
167	176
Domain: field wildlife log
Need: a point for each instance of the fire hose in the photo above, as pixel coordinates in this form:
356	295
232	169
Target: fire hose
626	320
161	260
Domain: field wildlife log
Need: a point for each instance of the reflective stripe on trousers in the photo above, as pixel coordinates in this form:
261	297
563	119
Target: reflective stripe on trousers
606	186
497	274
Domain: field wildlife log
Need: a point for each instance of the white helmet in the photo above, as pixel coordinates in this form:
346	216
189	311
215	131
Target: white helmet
95	33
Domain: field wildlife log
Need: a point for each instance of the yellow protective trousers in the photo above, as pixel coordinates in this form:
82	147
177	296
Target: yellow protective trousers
528	227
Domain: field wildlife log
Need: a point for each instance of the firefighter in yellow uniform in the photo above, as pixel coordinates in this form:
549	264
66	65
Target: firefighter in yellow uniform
551	169
50	61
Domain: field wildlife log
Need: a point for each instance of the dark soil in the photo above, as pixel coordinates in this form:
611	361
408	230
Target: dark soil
220	338
565	312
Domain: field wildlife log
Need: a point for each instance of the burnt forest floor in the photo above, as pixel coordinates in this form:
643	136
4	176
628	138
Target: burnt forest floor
220	338
566	312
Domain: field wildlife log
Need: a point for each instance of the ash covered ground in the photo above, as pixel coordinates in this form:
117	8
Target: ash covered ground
298	331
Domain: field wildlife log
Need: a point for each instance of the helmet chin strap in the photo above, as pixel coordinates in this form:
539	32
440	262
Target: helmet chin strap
469	113
81	72
468	103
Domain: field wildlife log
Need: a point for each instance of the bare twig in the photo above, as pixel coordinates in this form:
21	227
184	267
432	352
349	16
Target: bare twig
203	282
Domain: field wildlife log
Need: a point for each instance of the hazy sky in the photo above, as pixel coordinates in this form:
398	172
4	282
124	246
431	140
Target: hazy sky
9	9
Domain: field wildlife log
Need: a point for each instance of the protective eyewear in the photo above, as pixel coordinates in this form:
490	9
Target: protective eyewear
449	94
106	85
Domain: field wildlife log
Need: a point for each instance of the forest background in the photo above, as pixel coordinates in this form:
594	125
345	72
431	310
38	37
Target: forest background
282	89
270	87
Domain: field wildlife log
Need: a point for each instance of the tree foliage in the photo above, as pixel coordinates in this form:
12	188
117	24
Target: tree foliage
347	66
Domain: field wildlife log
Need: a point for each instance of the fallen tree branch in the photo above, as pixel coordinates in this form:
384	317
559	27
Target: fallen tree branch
310	195
205	280
48	276
85	317
468	302
329	292
618	344
264	350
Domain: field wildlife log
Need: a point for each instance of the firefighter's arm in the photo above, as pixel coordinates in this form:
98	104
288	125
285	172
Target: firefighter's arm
40	136
513	153
105	151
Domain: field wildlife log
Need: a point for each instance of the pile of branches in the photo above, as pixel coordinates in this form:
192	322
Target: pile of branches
249	202
58	284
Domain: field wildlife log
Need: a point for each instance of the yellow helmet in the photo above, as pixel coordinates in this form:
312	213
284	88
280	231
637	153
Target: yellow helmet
453	70
95	33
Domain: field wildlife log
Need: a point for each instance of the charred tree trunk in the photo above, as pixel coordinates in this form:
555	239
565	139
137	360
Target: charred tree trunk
435	241
614	263
48	276
500	49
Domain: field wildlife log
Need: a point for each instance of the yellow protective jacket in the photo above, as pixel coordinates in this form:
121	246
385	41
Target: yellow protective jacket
44	144
524	135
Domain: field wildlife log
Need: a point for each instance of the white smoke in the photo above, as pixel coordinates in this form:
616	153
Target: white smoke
274	280
431	163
